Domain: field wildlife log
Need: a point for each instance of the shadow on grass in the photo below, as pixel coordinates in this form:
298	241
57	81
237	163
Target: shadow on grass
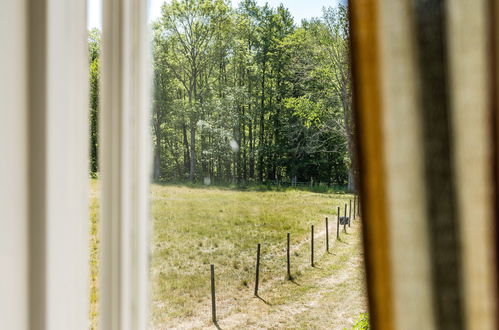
342	241
292	279
264	301
215	323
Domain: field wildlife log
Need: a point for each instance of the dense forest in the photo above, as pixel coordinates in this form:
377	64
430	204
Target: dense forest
246	95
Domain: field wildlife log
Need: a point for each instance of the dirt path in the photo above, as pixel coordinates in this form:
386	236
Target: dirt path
328	296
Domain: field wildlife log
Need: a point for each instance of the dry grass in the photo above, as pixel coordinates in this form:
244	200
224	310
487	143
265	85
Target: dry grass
94	255
194	227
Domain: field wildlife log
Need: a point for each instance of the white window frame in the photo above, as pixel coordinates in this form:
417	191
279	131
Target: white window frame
44	191
125	166
44	141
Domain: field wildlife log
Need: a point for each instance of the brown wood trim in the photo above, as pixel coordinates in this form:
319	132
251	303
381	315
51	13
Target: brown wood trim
368	114
494	116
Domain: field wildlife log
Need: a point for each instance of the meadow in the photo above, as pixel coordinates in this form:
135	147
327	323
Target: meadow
195	226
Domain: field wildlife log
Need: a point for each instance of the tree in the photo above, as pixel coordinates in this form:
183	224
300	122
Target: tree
333	37
244	95
191	31
94	38
163	103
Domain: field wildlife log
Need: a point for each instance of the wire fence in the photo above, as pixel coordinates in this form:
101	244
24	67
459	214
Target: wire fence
351	211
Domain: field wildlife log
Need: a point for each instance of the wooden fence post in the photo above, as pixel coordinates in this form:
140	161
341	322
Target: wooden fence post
327	235
312	247
257	269
288	260
213	303
344	219
338	225
349	212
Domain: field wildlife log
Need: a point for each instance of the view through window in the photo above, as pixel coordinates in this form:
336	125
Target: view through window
254	211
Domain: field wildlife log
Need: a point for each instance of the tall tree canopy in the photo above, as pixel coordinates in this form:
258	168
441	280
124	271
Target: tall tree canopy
94	58
247	95
244	95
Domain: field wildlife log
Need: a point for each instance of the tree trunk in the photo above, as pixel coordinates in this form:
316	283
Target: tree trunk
351	180
244	150
251	151
157	148
204	163
262	129
157	162
192	167
350	138
187	158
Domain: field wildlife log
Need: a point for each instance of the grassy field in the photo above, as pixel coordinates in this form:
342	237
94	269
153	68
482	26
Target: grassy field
94	254
194	227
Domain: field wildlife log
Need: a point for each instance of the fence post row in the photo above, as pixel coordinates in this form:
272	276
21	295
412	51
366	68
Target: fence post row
288	251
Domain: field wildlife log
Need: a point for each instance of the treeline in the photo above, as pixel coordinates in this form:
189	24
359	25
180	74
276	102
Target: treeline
245	95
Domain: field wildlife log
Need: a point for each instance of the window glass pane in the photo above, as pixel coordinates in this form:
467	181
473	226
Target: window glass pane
253	140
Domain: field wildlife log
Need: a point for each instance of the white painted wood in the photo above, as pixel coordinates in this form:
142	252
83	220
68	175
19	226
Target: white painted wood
67	154
468	36
125	166
408	230
44	244
13	167
58	164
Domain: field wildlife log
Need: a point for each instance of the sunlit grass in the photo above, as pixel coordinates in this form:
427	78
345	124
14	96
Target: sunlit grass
195	227
94	255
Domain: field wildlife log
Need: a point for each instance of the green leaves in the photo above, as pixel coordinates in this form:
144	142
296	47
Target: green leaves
362	323
311	112
250	76
94	38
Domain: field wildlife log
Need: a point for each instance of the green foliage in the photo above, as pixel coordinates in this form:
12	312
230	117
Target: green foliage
244	95
94	58
362	323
